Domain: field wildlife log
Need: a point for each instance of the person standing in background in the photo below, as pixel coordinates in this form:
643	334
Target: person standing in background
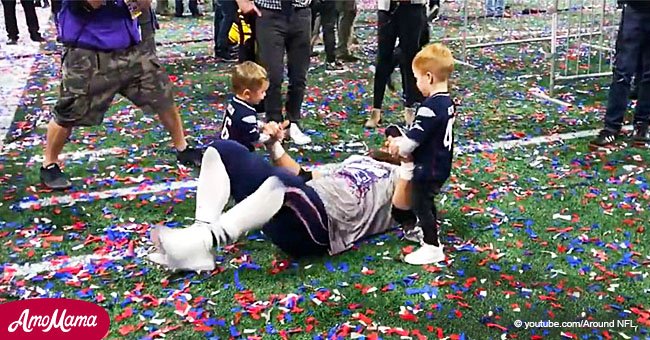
194	8
103	56
401	20
11	24
283	26
225	15
347	12
632	49
327	12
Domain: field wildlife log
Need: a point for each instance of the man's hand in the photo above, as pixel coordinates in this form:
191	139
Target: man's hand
95	4
248	7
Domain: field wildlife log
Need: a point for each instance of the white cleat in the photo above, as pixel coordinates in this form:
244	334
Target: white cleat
297	136
184	249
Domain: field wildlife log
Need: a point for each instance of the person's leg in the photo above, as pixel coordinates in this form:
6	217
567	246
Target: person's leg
85	95
32	19
328	19
386	36
642	113
270	32
9	8
499	7
150	89
229	14
410	19
489	8
628	48
347	11
194	8
424	208
218	18
298	50
179	8
247	49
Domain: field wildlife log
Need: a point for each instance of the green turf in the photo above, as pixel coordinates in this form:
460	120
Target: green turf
513	255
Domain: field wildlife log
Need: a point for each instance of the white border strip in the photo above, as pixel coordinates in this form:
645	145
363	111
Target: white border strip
81	154
102	195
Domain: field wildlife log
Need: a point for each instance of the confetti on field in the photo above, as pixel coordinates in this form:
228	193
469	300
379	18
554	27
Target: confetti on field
535	225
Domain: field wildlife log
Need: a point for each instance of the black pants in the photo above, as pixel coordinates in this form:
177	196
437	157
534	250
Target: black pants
11	25
222	23
248	48
632	60
327	11
403	22
275	34
194	7
422	196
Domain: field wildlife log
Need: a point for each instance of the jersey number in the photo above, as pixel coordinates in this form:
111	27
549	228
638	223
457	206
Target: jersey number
449	133
225	134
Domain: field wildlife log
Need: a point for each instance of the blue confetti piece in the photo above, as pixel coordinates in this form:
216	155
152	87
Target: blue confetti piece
237	283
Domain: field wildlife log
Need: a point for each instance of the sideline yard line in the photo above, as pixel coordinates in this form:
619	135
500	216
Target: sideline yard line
191	184
28	270
85	153
102	195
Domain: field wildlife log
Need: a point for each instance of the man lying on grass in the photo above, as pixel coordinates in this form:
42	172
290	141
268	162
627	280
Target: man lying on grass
303	213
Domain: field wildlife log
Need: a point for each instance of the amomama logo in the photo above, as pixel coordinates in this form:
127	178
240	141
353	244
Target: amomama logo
53	319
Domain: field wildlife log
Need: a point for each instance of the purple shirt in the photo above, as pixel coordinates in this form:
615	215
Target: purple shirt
108	28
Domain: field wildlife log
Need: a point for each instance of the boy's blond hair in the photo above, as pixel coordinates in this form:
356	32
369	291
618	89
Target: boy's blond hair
247	75
436	59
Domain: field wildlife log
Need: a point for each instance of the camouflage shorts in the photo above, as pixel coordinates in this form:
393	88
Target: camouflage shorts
91	79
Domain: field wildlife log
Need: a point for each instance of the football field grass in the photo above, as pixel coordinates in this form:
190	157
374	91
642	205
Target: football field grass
549	231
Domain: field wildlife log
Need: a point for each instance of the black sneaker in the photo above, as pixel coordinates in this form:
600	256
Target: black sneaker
348	58
226	56
605	139
334	67
12	41
641	137
37	38
190	156
53	178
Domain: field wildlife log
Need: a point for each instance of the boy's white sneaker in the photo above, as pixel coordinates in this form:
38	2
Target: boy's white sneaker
297	136
426	254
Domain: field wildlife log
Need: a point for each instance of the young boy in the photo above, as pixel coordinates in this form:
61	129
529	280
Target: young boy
429	143
249	84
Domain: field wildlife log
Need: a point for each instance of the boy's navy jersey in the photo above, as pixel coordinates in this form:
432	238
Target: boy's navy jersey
240	124
432	130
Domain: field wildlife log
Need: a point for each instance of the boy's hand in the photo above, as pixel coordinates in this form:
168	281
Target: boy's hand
275	130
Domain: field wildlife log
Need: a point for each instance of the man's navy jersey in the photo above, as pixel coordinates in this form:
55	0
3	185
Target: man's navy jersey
240	124
433	131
